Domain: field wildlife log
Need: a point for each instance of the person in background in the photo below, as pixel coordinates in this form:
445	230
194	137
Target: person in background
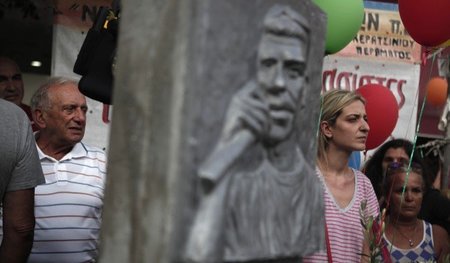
11	86
408	238
20	173
343	129
436	207
69	205
396	150
433	163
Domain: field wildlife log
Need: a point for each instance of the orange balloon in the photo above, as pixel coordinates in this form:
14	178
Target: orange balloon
437	91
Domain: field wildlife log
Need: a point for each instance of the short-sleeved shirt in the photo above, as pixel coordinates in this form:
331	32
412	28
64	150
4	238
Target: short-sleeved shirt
19	162
68	207
345	231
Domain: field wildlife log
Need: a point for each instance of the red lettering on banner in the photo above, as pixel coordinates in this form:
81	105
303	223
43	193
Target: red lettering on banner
331	79
346	77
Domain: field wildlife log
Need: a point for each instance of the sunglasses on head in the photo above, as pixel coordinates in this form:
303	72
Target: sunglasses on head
395	166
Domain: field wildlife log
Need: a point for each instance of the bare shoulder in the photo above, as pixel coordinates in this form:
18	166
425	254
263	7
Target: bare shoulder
439	232
440	242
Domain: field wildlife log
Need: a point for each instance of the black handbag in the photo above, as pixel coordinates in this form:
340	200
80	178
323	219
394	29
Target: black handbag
96	58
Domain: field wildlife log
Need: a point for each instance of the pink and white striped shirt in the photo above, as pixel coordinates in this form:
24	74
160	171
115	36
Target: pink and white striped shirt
345	231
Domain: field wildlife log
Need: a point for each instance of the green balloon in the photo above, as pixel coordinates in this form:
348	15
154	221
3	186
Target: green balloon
344	20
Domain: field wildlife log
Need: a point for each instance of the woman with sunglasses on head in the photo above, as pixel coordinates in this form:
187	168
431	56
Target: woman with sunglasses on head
436	208
343	129
396	150
408	238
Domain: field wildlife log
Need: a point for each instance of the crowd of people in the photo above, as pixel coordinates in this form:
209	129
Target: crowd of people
52	183
416	215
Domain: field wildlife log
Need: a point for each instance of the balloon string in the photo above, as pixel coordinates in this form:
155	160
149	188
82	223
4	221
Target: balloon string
414	143
320	117
417	131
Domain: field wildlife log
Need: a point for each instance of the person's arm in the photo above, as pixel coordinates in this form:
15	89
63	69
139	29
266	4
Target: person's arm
18	225
440	242
246	121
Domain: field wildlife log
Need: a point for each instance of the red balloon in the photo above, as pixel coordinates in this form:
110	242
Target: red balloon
437	91
382	113
427	21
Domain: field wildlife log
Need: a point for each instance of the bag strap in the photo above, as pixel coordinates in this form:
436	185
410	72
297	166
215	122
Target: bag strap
327	240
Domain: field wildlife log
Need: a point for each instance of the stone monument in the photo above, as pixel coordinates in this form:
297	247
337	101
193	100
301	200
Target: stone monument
213	133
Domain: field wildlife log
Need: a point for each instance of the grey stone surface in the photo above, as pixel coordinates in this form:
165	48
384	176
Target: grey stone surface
180	63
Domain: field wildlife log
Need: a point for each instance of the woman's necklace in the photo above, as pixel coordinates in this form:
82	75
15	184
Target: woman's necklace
410	240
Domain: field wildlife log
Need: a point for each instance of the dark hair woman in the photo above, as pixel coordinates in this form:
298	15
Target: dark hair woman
408	238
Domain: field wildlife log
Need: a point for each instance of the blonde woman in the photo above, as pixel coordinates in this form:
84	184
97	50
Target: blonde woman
343	129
